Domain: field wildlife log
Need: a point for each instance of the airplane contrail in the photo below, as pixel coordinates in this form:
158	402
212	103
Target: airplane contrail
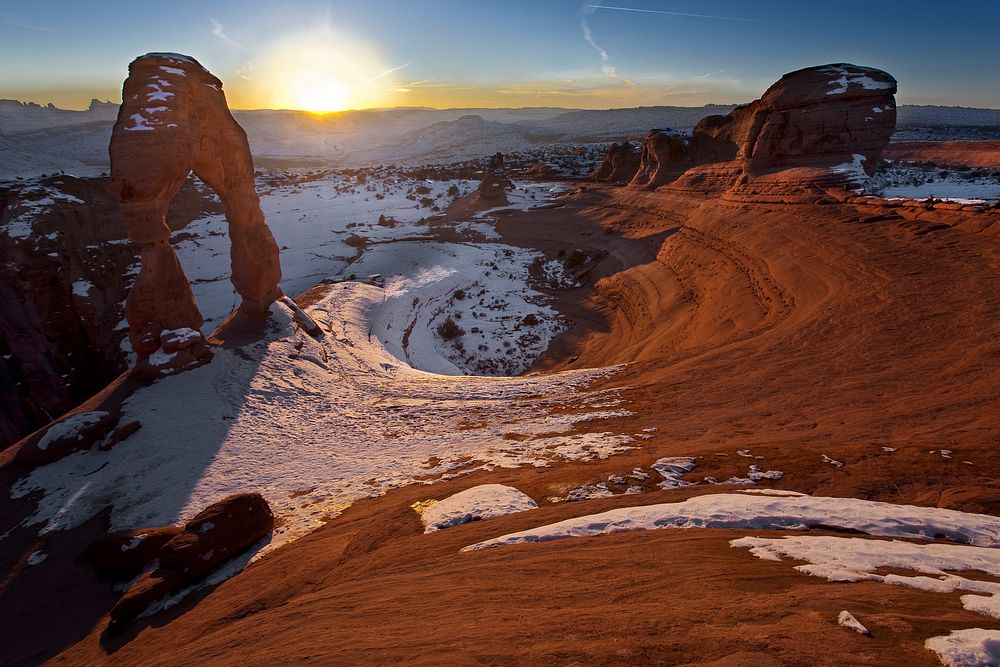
660	11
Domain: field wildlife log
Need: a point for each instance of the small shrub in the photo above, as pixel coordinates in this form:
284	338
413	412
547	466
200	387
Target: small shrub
356	241
530	319
458	294
449	330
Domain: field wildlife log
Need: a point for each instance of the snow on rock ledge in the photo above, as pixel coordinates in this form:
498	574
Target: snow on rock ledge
730	510
485	501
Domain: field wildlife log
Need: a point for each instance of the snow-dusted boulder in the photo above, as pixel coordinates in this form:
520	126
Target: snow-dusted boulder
125	553
476	504
70	434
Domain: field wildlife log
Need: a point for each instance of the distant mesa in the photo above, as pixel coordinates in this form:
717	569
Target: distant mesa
174	119
822	126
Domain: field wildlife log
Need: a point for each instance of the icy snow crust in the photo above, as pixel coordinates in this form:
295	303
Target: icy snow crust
974	647
730	510
485	501
328	421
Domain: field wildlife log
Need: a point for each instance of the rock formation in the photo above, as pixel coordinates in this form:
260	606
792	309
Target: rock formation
213	536
829	122
620	163
68	266
174	120
493	187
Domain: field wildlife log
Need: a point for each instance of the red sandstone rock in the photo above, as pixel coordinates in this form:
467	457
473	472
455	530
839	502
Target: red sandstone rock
174	120
217	533
828	122
493	187
125	553
213	536
149	588
72	433
620	164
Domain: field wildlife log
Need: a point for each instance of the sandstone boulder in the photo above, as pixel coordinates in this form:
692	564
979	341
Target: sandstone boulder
173	120
149	588
218	533
126	553
213	536
73	433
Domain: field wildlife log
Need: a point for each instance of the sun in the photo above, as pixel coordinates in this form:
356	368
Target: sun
321	72
319	92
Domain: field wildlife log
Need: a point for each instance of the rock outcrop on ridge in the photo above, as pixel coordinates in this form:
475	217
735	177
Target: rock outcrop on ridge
832	122
173	120
210	538
620	163
68	266
493	187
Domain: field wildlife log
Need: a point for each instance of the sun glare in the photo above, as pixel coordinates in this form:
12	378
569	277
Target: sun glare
322	72
319	93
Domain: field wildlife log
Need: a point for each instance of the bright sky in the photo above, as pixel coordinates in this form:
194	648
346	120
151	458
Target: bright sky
329	55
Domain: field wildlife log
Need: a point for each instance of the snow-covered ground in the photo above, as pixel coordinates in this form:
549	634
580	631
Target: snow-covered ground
312	222
314	425
500	324
910	181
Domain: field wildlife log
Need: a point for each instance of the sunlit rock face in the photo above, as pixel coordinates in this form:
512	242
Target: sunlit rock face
173	120
835	118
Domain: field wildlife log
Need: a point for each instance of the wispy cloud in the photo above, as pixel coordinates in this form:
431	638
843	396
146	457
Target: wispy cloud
408	87
15	21
606	66
594	8
219	30
387	72
708	74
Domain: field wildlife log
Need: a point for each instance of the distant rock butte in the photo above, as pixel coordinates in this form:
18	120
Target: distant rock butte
493	187
173	120
823	125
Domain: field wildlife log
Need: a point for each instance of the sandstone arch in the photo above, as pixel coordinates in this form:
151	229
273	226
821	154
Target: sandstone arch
174	120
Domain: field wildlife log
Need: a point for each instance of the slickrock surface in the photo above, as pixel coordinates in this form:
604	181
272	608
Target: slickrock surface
174	119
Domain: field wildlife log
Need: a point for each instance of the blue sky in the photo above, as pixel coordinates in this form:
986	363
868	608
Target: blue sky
514	53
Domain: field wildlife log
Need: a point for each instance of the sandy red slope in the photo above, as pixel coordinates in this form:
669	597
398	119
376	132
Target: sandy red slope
794	330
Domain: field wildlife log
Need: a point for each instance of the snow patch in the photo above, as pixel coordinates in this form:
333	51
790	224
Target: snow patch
856	559
847	620
485	501
974	647
763	512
